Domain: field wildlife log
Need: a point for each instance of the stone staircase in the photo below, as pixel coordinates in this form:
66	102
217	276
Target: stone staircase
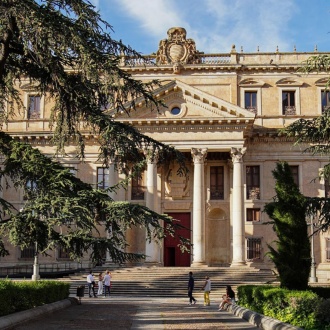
153	281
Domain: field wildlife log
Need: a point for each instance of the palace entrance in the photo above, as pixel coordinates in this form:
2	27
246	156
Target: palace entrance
173	257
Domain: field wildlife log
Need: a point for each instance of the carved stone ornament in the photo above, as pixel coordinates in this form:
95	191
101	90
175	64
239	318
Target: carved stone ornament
176	186
237	154
177	50
199	155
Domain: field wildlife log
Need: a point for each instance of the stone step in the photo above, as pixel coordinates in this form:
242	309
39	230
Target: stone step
172	281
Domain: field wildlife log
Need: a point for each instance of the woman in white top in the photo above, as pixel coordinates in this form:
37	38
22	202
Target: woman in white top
100	285
207	290
107	283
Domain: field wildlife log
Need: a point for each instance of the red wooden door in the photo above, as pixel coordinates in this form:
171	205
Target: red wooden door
173	257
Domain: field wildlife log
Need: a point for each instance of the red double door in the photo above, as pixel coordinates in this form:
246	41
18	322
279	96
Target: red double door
173	257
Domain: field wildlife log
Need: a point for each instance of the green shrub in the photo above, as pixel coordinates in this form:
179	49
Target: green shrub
323	313
16	296
298	308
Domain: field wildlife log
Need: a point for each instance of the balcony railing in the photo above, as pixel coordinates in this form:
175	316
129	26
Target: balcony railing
289	110
253	193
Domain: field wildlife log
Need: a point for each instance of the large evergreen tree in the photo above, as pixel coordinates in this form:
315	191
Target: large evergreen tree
66	51
314	136
291	255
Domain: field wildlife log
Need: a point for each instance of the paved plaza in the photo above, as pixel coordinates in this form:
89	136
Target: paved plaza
136	313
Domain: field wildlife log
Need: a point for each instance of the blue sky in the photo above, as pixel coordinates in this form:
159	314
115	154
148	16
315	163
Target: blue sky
217	24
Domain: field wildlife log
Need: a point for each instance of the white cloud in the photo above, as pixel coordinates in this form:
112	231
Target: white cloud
155	16
214	24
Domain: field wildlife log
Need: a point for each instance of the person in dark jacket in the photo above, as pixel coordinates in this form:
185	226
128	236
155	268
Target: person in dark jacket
191	284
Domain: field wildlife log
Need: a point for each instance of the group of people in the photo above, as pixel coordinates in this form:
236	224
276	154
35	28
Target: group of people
103	281
228	298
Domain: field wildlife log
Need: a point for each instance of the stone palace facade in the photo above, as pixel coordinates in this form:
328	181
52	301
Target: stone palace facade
223	111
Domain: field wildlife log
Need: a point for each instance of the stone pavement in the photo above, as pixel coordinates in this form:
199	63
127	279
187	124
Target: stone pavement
136	313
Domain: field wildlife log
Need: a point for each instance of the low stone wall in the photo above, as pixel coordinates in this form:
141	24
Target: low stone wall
259	320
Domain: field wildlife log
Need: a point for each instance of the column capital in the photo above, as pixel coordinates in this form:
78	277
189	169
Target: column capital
199	155
151	155
237	154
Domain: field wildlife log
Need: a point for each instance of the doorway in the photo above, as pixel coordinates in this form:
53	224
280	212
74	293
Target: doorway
173	257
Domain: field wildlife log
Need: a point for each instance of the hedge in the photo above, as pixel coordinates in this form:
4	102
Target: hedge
303	309
16	296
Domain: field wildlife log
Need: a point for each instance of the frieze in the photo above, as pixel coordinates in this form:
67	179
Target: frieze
185	128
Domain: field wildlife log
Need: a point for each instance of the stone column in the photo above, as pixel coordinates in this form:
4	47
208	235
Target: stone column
152	248
198	227
113	179
238	207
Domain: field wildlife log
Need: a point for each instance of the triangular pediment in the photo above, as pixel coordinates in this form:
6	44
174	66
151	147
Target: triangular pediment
187	102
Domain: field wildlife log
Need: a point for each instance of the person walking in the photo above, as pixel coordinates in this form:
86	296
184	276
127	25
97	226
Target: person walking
191	284
91	284
207	289
100	285
107	283
228	298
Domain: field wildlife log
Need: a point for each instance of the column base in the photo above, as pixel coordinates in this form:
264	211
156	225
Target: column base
312	279
153	263
199	264
238	264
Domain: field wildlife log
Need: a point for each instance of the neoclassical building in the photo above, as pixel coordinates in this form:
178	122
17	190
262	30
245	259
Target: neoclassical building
223	111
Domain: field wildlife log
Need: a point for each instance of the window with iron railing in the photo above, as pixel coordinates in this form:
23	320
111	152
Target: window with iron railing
288	102
28	252
295	173
327	249
253	214
102	178
62	253
253	249
326	188
33	109
216	182
251	101
137	188
253	182
325	100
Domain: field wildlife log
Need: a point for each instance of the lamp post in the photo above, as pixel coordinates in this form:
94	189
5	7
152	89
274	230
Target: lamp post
36	275
312	278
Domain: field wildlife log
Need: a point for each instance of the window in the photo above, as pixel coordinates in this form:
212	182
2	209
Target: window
326	188
175	111
295	174
62	253
252	182
250	101
102	178
137	188
33	107
253	249
30	189
216	182
28	252
327	249
253	214
288	102
325	100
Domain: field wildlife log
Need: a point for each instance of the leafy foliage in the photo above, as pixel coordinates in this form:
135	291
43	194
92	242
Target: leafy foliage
314	134
298	308
19	296
288	211
65	51
62	211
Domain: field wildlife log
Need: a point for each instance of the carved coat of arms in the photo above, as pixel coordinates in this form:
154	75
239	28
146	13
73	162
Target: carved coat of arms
177	50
